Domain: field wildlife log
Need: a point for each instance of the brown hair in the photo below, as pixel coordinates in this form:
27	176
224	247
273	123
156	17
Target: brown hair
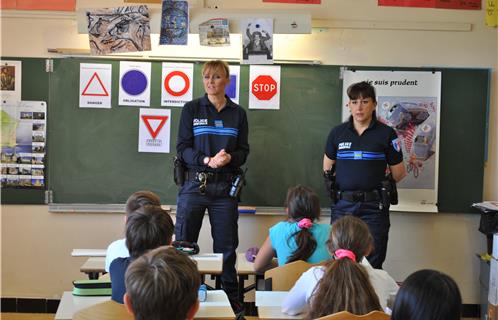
162	284
147	228
302	202
140	199
345	285
216	65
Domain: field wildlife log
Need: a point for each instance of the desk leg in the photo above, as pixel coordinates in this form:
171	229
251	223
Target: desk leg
241	289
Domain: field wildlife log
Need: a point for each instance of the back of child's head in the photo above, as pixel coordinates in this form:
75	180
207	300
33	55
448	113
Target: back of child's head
427	295
162	284
345	283
147	228
140	199
361	90
303	207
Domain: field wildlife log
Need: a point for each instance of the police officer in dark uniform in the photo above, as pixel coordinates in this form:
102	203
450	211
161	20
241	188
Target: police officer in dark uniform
361	150
213	144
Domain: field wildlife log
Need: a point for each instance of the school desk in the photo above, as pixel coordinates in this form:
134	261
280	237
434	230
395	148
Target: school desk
89	252
269	305
244	270
216	305
207	263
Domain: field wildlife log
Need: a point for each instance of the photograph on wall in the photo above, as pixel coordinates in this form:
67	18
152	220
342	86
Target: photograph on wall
257	41
122	29
214	33
23	143
409	102
10	80
174	23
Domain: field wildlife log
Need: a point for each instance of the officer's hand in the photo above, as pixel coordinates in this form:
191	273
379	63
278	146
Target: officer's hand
221	159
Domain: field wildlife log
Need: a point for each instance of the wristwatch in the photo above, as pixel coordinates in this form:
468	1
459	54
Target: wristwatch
206	160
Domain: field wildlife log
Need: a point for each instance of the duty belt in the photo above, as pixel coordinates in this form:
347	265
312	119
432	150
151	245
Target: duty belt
202	176
358	196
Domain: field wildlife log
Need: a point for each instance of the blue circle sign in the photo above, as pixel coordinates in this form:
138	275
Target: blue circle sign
134	82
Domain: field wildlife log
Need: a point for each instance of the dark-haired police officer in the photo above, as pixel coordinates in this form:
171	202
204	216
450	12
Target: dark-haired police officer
361	150
213	144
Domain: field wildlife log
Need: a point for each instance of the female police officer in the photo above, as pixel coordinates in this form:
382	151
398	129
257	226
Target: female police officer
361	149
213	143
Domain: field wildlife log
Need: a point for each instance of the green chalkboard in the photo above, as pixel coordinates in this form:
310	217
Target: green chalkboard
93	153
34	87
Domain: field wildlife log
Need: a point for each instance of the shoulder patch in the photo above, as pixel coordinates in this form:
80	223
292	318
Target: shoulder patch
396	144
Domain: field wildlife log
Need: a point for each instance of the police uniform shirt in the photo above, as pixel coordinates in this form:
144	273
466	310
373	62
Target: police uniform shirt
204	131
361	160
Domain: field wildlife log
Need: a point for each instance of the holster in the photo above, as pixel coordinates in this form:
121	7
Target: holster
179	170
388	191
330	186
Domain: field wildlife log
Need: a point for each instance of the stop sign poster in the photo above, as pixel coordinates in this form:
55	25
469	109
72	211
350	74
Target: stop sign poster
154	130
176	84
264	87
134	83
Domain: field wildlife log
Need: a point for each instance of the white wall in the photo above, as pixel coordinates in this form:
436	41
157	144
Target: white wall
36	244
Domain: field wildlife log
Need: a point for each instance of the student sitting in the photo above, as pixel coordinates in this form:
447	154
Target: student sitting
118	249
162	284
299	237
427	295
147	228
347	282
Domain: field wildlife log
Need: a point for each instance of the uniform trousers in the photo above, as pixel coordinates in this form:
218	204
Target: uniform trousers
223	217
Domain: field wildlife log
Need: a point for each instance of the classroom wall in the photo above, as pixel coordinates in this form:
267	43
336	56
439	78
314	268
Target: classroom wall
36	244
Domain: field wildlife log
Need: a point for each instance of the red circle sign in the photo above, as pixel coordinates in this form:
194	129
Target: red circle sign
170	90
264	87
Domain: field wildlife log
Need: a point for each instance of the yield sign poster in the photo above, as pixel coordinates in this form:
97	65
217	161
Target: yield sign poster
154	130
264	87
134	83
233	89
176	84
95	85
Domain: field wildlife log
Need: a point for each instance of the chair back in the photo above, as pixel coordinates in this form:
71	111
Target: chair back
344	315
109	310
284	277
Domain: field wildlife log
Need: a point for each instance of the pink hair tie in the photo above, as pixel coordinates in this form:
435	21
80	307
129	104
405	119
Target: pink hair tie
344	253
305	223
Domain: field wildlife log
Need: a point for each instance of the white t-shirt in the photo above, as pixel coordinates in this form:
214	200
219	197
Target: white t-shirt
116	249
297	298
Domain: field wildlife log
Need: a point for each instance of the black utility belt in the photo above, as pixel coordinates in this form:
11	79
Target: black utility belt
358	196
205	176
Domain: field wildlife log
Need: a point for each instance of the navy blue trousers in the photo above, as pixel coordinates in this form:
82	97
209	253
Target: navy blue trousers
223	217
377	220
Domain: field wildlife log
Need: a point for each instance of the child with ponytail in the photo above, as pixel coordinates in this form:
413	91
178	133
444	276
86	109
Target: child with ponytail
345	283
299	237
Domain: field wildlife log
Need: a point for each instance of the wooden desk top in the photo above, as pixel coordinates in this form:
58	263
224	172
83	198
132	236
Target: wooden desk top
216	305
269	305
207	263
89	252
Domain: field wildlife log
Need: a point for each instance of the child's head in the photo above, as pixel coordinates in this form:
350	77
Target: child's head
361	90
303	207
162	284
345	282
302	202
140	199
147	228
352	234
427	295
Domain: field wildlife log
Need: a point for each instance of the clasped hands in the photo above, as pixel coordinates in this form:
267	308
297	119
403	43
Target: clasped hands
220	159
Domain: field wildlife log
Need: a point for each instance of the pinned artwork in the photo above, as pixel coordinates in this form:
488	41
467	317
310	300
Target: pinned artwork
122	29
214	33
174	23
257	41
10	84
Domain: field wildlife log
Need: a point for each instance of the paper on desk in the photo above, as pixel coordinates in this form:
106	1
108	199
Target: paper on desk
486	206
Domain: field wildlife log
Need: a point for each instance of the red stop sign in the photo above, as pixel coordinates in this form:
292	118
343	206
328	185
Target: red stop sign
264	87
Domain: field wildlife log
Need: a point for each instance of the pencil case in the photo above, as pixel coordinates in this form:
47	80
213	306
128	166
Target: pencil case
92	288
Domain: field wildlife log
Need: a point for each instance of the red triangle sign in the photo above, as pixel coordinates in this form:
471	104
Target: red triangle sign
155	132
100	94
